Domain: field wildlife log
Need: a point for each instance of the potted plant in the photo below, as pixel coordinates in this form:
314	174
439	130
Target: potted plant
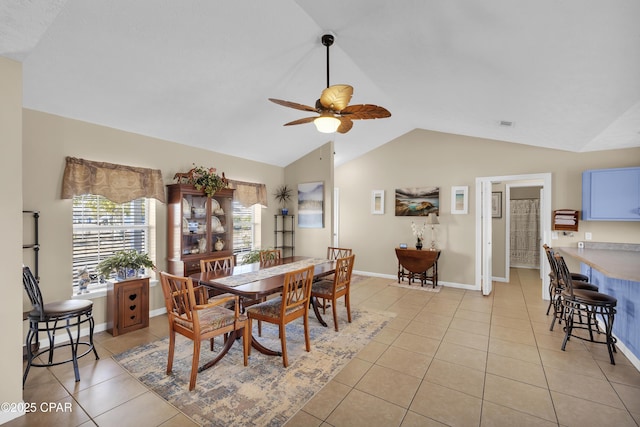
208	180
283	195
126	264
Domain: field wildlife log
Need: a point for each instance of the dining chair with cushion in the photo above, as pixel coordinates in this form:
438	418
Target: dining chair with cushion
270	255
334	253
586	311
214	264
331	290
227	263
192	315
291	305
53	317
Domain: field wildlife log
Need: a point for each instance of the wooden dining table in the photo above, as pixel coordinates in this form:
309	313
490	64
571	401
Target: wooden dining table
259	280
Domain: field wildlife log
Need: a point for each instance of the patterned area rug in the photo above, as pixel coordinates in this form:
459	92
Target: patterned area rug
264	393
416	286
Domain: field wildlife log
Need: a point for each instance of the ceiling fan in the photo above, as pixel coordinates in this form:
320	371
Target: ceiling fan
335	113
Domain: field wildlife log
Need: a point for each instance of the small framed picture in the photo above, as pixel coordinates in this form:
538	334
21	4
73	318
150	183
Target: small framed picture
460	200
496	204
377	202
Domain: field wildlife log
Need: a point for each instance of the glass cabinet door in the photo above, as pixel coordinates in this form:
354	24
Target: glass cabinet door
194	224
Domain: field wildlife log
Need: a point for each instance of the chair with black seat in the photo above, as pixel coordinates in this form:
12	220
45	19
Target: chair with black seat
556	286
331	290
581	304
50	318
291	305
193	316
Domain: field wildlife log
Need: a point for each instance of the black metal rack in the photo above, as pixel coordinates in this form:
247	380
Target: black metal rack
284	231
36	242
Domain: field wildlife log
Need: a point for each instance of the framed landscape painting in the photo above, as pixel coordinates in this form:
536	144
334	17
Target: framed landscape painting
311	205
417	201
460	200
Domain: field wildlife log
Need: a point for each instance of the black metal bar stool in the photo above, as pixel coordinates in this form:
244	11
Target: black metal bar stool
53	317
557	286
582	304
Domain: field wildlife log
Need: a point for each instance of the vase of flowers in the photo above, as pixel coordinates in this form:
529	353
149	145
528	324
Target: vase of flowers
418	232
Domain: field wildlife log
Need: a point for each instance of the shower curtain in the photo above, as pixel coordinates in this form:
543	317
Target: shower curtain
525	233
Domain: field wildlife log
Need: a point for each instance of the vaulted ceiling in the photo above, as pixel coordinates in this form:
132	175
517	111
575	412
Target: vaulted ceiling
565	73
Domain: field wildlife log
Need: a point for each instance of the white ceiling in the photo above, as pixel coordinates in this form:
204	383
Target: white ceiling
199	72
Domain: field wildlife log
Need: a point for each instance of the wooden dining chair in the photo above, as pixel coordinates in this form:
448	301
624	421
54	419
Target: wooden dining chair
332	290
291	305
219	263
270	255
334	253
226	263
192	316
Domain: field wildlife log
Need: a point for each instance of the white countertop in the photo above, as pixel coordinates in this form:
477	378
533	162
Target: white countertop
616	264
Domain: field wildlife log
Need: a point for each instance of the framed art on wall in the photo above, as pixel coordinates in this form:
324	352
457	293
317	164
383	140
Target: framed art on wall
417	201
311	205
496	204
377	202
460	200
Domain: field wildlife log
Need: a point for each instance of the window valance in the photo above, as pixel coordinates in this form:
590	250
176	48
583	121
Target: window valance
117	183
249	193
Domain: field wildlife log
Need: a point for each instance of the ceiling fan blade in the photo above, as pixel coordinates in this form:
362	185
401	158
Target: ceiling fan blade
345	125
301	121
365	111
336	97
293	105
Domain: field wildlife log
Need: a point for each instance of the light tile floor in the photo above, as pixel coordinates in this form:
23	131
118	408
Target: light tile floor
453	358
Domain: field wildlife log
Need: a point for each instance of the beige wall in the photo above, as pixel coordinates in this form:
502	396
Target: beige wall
11	230
425	158
315	166
48	139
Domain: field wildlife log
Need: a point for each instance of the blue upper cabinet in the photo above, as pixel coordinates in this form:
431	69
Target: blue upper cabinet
611	194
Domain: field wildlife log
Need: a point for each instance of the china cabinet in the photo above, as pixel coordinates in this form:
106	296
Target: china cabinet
198	227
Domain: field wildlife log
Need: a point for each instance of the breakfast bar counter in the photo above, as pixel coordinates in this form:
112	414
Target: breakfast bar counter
618	264
616	272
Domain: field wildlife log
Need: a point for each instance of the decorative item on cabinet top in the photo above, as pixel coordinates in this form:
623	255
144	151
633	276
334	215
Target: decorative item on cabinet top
205	179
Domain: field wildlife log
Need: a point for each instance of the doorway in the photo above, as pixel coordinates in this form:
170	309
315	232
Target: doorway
484	247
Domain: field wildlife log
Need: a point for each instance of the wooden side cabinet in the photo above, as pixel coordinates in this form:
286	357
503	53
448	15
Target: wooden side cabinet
127	306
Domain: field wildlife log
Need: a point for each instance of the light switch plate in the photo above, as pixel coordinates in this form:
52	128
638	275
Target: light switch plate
587	236
554	235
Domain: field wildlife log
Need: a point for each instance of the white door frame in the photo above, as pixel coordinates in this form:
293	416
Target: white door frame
543	179
336	218
507	244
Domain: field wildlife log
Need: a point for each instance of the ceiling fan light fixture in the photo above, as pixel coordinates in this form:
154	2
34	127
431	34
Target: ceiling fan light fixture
327	123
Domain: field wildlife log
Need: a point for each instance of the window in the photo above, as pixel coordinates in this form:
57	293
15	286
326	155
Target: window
101	228
246	229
